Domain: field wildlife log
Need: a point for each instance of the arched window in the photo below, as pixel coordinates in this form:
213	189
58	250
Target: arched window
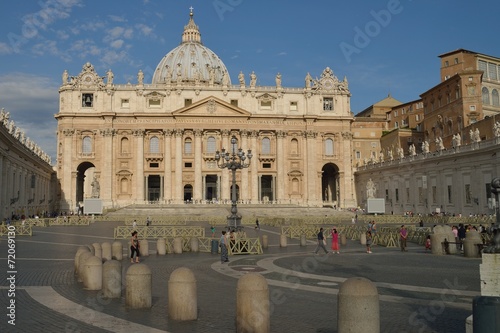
87	145
294	147
124	185
329	147
494	98
188	146
124	146
295	185
486	96
266	146
154	145
211	145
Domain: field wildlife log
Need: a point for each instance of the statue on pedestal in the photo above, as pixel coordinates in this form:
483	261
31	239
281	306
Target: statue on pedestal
96	188
371	189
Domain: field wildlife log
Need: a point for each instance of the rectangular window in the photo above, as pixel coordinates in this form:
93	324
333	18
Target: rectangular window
328	104
234	102
266	165
492	72
450	197
154	103
446	63
472	108
87	100
417	117
455	60
358	155
468	194
188	165
154	165
266	105
482	66
294	106
188	102
397	195
125	103
395	113
386	195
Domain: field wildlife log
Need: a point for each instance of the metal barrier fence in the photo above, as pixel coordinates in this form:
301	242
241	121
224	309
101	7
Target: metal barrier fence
19	230
74	220
124	232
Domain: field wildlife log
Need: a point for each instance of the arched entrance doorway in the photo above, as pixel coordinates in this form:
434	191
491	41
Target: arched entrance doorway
188	193
330	191
85	173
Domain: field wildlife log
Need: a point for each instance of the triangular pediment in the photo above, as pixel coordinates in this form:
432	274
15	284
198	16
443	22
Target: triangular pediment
212	107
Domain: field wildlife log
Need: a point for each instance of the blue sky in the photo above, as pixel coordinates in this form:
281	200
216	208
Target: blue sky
381	46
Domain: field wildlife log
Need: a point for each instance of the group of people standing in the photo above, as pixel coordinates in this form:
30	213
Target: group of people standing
322	241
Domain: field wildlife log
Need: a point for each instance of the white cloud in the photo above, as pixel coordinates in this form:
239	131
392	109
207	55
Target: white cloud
283	53
144	29
116	18
5	49
116	44
32	102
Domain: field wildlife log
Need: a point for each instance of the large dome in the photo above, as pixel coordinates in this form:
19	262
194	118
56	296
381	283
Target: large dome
191	62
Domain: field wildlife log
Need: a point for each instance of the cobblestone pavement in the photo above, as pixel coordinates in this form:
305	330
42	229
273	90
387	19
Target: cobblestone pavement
419	292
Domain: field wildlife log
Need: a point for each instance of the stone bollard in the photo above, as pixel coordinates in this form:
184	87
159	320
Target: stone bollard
81	262
182	296
302	240
362	238
97	250
265	242
437	246
117	250
161	246
106	251
343	239
194	245
283	240
143	247
80	250
92	272
450	237
91	249
138	284
472	238
252	304
112	279
358	306
178	245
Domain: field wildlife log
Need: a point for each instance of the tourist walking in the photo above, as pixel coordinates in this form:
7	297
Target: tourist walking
403	235
223	248
134	248
428	243
368	241
321	242
335	241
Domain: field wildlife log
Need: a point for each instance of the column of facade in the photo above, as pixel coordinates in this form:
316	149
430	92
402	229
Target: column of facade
245	190
68	182
198	177
22	193
254	167
167	184
311	166
225	193
346	181
139	177
280	163
106	181
179	191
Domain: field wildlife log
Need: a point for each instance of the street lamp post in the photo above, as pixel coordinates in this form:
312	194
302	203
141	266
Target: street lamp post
233	161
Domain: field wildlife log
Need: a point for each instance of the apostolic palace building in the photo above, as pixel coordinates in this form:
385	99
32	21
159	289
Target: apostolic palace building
164	142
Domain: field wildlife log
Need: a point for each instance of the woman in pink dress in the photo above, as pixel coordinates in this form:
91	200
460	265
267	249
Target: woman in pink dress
335	241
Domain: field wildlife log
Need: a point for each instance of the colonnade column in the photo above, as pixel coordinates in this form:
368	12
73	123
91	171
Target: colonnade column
254	167
139	188
197	195
346	181
280	163
311	166
244	191
225	192
167	158
178	195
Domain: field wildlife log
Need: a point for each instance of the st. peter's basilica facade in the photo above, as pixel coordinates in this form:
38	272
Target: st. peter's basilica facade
157	142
